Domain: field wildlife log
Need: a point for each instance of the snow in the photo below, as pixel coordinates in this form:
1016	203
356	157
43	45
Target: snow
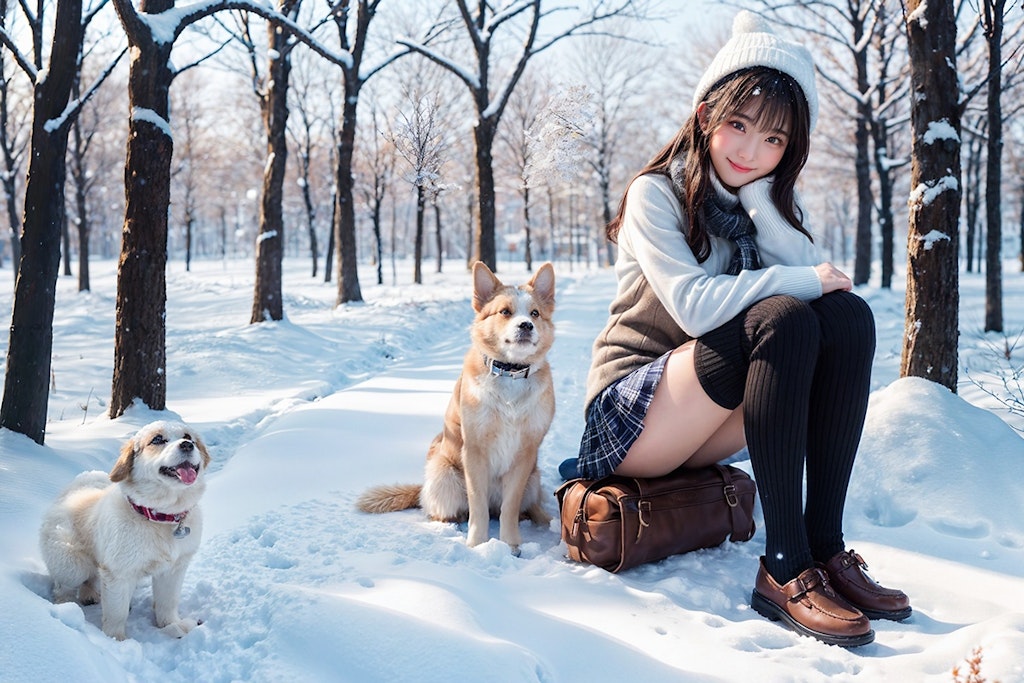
293	584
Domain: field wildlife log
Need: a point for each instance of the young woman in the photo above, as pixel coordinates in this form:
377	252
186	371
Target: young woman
728	331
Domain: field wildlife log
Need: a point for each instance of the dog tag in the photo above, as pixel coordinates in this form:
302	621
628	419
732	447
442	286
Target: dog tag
181	531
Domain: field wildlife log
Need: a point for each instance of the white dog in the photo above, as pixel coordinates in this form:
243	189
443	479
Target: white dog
104	534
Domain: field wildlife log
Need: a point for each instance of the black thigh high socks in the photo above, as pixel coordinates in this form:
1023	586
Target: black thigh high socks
802	372
839	402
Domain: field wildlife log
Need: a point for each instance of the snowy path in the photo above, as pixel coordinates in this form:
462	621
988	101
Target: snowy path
295	585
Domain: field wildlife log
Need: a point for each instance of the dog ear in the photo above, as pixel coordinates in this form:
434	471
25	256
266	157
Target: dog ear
123	467
202	450
484	285
543	284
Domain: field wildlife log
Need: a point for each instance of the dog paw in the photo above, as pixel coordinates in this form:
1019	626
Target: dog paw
516	552
181	627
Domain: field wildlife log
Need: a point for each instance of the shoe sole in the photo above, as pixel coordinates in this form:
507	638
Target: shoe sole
767	608
898	615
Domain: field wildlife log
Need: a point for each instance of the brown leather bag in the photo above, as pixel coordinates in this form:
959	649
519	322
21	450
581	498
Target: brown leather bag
621	522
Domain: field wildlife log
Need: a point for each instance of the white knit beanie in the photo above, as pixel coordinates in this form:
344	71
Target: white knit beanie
753	43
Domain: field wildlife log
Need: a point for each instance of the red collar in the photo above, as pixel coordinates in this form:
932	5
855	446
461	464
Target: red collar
153	515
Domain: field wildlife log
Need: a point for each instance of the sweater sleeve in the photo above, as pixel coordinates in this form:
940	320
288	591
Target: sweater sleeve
698	296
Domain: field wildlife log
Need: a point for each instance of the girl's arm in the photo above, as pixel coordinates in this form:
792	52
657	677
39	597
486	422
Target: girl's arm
699	297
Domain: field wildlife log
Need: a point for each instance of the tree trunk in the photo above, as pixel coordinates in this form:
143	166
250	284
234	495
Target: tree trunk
885	217
84	229
329	249
971	201
527	230
8	179
140	352
486	250
862	136
266	302
932	315
378	239
993	170
345	227
27	380
437	235
417	265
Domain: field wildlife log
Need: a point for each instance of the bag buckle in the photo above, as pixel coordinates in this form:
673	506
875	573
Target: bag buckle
641	507
730	495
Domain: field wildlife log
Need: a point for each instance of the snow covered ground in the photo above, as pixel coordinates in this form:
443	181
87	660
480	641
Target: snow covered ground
293	584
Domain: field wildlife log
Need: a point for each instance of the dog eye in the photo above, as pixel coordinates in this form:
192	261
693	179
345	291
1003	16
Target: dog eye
158	439
535	313
506	312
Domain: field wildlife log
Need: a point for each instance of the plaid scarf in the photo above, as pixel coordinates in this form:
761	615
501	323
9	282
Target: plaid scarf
728	222
733	224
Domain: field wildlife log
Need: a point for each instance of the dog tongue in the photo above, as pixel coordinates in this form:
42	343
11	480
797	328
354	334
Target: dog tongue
186	473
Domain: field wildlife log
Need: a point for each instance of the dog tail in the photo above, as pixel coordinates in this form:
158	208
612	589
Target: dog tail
390	498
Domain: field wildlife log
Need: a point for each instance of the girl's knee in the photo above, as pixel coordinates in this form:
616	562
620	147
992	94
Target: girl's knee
784	316
845	319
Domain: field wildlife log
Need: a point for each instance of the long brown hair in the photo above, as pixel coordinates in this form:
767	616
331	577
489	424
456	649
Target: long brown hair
778	101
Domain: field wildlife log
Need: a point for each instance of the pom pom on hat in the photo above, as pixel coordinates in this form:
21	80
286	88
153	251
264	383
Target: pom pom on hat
753	43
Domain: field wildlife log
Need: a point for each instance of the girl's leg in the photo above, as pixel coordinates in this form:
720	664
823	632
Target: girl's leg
683	424
783	336
838	403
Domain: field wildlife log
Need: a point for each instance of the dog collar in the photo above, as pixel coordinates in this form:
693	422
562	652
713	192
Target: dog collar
501	369
164	517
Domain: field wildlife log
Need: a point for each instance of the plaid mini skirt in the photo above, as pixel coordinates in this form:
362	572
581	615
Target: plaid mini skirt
615	419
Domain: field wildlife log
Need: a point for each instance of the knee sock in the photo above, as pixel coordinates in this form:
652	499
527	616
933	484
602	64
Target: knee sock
784	337
838	403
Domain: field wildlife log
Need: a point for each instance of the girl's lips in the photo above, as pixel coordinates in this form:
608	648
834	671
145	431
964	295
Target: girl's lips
738	168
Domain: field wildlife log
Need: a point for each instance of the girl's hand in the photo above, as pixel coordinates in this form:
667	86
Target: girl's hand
832	279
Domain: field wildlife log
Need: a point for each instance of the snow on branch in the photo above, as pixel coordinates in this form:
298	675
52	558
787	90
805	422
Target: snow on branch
466	77
165	26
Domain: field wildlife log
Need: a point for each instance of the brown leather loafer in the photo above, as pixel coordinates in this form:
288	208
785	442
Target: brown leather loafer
809	606
848	573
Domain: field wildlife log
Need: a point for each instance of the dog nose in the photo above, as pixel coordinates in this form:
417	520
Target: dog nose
526	325
186	446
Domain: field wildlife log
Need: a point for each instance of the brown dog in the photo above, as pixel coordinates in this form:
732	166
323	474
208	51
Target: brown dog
484	462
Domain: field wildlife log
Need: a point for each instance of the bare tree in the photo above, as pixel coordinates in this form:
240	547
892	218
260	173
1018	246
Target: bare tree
305	129
271	89
27	381
932	299
140	336
519	128
420	139
13	140
355	78
614	71
992	16
484	25
378	164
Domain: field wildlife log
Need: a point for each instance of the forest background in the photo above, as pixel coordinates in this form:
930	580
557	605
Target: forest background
374	131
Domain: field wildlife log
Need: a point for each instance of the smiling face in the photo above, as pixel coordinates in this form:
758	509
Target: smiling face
161	459
743	149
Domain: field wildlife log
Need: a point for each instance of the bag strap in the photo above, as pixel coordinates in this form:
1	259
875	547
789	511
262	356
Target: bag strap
729	493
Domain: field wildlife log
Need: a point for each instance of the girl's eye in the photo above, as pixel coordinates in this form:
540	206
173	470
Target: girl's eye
738	125
773	140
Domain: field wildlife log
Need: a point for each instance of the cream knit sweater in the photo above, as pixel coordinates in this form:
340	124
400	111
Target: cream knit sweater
666	298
